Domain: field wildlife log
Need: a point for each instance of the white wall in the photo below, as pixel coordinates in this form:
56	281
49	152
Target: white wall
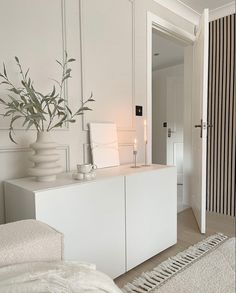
38	32
159	110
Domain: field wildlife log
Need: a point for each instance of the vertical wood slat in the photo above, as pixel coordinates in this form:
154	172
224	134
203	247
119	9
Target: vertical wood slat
233	127
221	142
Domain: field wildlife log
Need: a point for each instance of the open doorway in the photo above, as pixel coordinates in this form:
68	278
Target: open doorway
168	106
195	107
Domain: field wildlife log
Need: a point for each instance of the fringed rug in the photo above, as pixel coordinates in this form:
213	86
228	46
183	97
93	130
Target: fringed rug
206	267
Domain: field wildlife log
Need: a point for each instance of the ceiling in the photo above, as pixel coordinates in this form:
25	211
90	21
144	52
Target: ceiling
170	53
199	5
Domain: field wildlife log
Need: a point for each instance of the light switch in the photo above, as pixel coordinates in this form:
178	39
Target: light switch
139	110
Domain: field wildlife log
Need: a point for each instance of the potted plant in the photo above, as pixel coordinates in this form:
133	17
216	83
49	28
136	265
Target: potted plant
43	112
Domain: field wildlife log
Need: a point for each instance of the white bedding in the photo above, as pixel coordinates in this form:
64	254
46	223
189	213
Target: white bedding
54	277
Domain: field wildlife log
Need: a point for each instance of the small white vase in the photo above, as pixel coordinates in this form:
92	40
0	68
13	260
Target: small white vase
45	158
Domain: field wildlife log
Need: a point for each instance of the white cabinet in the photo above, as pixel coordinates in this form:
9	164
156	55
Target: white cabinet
117	221
151	211
93	220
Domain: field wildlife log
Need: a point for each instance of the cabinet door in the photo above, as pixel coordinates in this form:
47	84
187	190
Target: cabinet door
92	217
151	214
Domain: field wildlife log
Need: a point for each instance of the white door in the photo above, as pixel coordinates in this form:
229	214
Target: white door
175	124
199	121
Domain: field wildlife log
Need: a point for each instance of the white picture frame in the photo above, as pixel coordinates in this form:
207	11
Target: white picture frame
104	144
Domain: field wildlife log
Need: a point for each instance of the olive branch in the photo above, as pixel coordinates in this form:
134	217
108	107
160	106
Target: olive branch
26	103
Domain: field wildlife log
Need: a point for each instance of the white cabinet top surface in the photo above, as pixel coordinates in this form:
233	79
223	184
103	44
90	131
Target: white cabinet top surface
65	179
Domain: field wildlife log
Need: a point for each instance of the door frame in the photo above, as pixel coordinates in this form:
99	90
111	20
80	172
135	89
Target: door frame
170	30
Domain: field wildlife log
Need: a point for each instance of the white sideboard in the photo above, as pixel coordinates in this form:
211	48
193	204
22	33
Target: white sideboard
116	221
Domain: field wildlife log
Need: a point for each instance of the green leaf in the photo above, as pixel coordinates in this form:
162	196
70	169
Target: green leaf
69	110
27	72
4	82
53	91
12	98
17	59
54	110
10	136
59	124
14	90
4	69
3	102
33	97
60	101
42	96
26	120
65	77
59	113
31	122
59	63
49	112
71	60
14	119
28	106
8	113
23	99
85	109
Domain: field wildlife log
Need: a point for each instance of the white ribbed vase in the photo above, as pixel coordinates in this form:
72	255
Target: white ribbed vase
45	158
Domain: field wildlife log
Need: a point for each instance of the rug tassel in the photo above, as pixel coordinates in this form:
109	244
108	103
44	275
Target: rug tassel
167	269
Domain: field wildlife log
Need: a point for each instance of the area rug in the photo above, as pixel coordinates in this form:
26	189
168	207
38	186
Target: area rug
206	267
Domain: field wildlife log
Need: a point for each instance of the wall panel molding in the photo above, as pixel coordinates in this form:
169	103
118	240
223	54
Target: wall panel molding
129	128
64	148
62	16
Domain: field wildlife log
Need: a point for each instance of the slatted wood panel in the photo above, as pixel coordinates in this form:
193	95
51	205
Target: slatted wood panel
221	114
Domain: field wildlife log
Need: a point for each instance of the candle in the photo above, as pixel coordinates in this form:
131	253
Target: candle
135	144
145	131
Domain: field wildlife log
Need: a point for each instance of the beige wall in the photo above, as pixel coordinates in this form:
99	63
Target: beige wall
38	32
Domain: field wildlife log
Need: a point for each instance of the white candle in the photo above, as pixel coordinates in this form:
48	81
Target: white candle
145	131
135	144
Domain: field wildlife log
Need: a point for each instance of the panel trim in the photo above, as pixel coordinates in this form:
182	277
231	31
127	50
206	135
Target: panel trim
64	48
84	122
180	8
66	148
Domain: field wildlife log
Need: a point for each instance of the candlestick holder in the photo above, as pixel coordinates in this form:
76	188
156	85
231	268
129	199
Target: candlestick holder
135	160
145	161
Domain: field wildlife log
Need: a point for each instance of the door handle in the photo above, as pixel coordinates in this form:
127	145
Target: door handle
169	132
203	125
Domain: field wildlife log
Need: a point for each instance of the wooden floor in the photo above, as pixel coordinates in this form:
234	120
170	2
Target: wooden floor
188	234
